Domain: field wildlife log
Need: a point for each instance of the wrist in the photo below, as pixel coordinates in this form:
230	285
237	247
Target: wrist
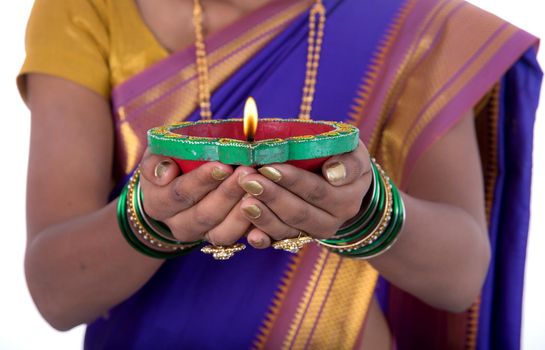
376	227
144	234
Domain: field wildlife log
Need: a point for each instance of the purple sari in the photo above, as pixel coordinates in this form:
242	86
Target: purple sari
373	51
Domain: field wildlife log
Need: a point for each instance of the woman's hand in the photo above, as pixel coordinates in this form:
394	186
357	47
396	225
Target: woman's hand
202	204
285	200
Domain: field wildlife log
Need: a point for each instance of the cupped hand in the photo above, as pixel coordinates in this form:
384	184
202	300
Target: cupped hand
202	204
285	200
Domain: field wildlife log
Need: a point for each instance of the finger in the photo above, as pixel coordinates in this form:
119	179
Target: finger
264	219
258	239
211	210
289	208
310	187
230	230
346	168
162	202
157	169
338	201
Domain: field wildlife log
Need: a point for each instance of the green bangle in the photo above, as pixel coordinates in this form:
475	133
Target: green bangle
359	235
386	236
392	233
156	229
371	235
130	235
378	229
365	215
366	230
127	231
145	232
368	220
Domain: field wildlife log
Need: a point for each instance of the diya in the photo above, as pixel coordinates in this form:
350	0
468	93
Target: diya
303	143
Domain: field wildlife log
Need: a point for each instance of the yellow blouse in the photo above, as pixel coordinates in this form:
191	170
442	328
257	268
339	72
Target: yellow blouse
95	43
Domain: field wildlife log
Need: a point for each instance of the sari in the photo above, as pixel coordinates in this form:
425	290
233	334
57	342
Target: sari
404	72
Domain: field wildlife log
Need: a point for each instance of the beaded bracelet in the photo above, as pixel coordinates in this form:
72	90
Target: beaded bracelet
376	228
134	225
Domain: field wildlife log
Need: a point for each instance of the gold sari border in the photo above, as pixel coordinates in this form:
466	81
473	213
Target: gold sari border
487	131
409	49
462	93
321	308
449	79
284	303
339	322
375	70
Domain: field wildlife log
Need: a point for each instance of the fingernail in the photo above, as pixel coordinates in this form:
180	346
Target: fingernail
240	177
258	242
161	168
270	173
336	172
252	211
219	174
253	187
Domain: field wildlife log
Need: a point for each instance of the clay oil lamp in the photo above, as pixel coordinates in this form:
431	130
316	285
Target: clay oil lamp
252	141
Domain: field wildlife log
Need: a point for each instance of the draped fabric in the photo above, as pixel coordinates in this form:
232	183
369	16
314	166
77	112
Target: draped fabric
405	72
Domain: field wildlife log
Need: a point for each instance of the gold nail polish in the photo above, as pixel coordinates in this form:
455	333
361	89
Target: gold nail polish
336	172
219	174
270	173
161	168
258	243
253	187
252	211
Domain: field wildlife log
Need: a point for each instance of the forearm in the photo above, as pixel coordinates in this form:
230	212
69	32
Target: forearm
441	255
77	270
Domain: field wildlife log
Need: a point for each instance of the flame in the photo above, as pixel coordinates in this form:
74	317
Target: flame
250	119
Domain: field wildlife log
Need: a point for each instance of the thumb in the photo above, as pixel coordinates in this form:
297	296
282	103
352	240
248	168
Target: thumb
346	168
158	170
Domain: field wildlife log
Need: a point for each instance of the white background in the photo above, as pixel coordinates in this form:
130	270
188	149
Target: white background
21	327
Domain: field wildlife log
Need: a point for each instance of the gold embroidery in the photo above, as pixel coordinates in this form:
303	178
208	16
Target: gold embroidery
298	324
490	168
333	309
328	307
418	48
278	300
370	79
130	139
462	81
345	308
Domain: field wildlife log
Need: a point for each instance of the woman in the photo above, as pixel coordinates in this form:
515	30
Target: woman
420	79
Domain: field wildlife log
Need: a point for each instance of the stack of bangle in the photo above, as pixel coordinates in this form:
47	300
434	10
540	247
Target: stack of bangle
376	228
148	236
